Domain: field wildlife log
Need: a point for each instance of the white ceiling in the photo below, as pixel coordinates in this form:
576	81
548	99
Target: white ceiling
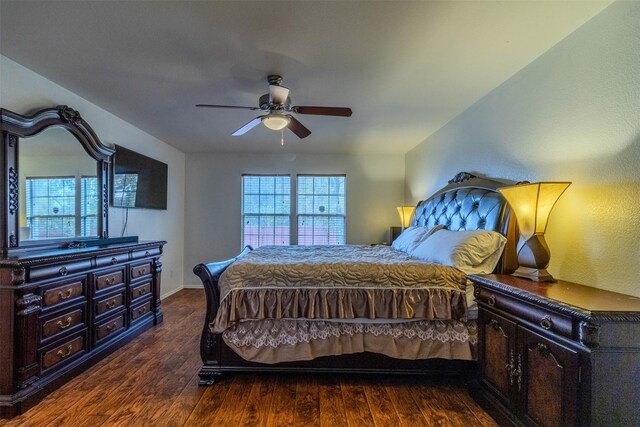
405	68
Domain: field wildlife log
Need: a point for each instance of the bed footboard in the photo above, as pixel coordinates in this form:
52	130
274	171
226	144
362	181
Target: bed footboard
209	342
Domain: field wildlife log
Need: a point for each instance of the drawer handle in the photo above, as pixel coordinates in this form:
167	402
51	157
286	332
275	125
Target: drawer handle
142	291
65	324
142	271
111	280
110	304
492	300
62	353
111	327
114	260
142	310
496	327
63	271
546	323
65	295
147	253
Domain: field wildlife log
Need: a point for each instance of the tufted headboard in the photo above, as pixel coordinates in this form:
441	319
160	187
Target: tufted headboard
469	202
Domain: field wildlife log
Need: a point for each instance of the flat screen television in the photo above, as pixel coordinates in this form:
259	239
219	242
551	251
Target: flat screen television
138	181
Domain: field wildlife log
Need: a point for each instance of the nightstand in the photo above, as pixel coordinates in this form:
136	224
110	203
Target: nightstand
394	232
556	353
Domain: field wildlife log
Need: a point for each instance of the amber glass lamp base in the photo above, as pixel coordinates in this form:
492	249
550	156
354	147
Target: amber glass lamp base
533	258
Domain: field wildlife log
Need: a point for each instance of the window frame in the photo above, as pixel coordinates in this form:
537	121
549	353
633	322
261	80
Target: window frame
78	196
327	215
260	214
82	215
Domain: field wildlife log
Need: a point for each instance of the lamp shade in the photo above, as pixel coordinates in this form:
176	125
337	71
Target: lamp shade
406	212
276	121
532	204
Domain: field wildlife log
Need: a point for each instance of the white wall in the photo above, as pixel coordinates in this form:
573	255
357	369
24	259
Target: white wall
573	114
23	91
375	186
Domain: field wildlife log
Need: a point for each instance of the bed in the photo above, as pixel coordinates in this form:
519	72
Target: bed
354	308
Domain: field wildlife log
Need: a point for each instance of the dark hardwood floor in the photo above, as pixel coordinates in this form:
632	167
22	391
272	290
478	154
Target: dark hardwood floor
152	381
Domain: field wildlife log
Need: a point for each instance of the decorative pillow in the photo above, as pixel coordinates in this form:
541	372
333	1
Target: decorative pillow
472	251
412	237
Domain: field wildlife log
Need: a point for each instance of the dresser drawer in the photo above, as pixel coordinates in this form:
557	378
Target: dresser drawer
140	291
60	324
140	311
58	353
140	270
146	253
109	304
58	270
114	259
112	279
58	293
539	316
66	305
109	328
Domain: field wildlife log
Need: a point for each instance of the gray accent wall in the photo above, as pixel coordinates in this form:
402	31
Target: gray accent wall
375	186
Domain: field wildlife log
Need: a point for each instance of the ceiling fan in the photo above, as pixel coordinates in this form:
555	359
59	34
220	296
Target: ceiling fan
277	106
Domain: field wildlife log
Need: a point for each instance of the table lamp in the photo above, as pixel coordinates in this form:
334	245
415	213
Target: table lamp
406	212
532	204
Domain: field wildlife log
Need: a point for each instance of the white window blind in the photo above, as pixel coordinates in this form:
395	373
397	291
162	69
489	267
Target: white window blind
52	211
51	207
88	206
321	210
266	210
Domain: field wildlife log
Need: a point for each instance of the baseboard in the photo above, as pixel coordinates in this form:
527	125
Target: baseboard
168	294
193	287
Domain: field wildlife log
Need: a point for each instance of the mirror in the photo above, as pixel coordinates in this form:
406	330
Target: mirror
58	190
54	189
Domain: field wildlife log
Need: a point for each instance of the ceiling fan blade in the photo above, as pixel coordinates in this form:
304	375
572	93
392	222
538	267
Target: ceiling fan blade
278	94
227	106
323	111
246	128
298	128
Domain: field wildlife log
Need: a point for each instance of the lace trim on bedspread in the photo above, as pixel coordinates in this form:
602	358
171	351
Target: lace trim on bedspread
269	333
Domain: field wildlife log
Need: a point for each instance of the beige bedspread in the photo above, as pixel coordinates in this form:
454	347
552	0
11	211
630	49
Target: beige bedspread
376	283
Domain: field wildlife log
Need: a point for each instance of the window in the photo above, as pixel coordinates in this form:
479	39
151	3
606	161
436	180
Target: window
51	205
321	210
125	188
266	210
88	206
52	211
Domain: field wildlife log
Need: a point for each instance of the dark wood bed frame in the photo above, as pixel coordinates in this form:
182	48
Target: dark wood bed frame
218	358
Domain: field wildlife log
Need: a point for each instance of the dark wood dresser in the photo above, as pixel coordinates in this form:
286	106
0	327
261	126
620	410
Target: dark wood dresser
62	310
557	354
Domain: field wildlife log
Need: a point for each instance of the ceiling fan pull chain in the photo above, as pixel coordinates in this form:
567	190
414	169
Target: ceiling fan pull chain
282	137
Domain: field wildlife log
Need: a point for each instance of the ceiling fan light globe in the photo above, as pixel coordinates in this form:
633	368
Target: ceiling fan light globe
276	122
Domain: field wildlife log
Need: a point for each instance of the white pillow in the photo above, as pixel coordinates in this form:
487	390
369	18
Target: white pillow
472	251
412	237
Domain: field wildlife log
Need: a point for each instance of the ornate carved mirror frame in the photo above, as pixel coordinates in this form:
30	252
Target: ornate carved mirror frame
15	126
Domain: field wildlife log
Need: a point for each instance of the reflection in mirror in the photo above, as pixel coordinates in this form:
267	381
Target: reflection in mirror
58	187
